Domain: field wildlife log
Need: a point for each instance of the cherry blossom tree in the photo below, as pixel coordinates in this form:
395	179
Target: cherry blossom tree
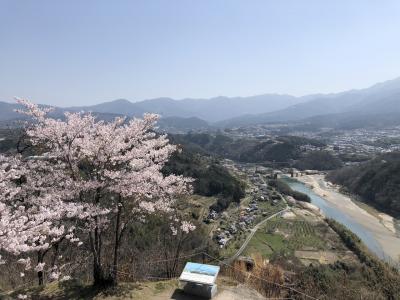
104	172
35	213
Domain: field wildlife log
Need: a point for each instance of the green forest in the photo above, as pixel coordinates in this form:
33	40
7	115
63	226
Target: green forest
211	178
377	182
280	151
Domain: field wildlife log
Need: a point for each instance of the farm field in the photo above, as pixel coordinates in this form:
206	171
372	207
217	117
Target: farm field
300	239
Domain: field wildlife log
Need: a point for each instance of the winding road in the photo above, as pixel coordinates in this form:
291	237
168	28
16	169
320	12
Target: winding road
252	232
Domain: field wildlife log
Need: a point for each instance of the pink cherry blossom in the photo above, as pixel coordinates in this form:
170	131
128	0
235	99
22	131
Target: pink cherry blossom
88	171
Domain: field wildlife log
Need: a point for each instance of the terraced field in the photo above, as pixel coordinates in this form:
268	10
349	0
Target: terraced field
283	237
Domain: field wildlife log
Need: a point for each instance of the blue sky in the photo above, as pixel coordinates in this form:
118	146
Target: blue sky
84	52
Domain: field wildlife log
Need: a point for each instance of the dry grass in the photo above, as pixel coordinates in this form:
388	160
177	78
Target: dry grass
264	277
74	290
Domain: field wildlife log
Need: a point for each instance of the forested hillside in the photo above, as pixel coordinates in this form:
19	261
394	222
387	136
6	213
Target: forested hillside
210	177
318	160
377	182
280	149
289	151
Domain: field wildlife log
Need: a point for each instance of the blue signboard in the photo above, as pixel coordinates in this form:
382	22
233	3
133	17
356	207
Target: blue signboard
200	273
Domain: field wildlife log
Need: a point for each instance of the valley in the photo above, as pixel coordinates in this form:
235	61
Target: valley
193	150
379	234
305	201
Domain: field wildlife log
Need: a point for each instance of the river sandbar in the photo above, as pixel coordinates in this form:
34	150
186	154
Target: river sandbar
384	234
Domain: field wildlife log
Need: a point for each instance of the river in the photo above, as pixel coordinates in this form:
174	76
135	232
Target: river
334	212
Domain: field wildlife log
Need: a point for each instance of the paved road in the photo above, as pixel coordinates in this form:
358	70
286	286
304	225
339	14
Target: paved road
250	236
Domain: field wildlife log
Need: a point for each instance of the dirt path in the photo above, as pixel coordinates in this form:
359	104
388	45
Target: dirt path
240	292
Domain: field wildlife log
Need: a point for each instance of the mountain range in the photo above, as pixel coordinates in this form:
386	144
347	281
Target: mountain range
380	99
211	110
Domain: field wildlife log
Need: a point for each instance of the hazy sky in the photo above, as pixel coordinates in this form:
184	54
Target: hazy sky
85	52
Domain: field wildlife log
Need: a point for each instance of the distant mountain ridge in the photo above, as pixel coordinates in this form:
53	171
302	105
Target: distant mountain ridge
382	98
181	125
210	110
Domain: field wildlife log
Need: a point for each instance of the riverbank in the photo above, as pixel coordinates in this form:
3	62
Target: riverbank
382	228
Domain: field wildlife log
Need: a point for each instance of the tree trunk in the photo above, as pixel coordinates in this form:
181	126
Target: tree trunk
40	273
99	277
176	259
98	274
114	273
